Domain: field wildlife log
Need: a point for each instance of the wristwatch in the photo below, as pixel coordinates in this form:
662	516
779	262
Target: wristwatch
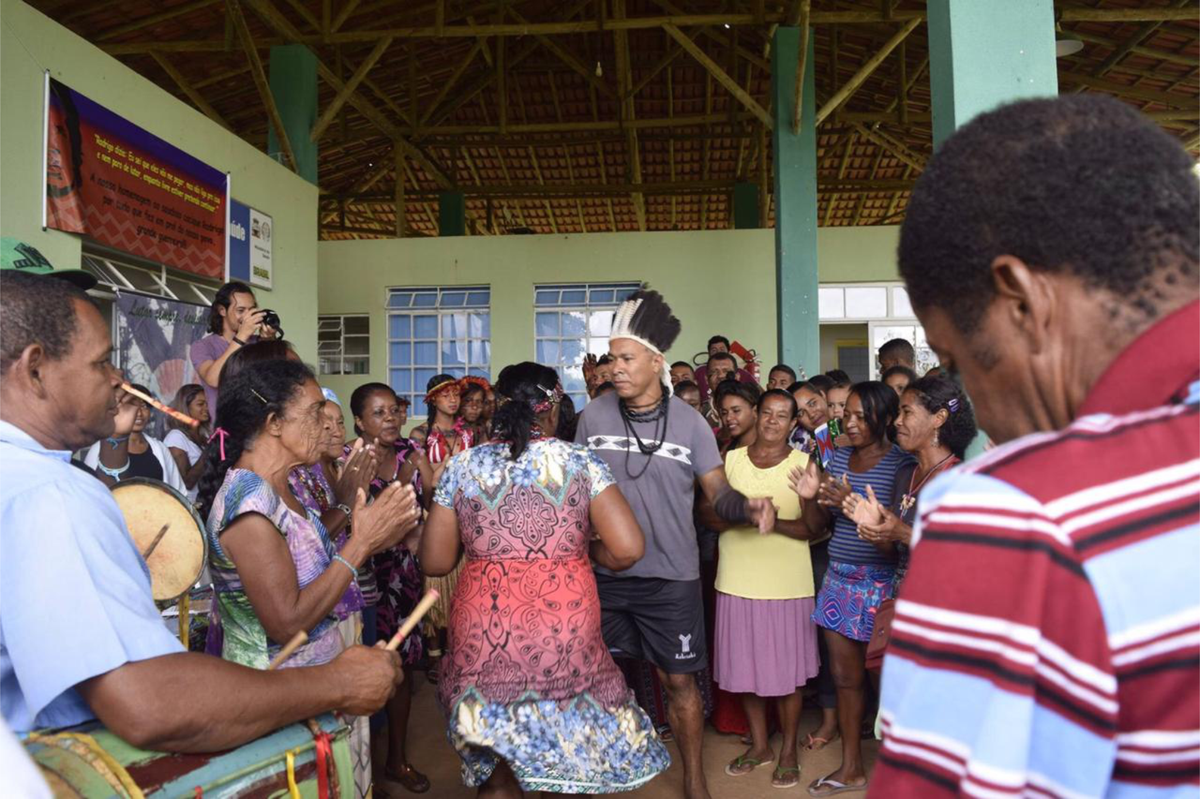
344	508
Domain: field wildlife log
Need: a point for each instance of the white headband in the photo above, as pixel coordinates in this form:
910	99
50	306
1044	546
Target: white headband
666	370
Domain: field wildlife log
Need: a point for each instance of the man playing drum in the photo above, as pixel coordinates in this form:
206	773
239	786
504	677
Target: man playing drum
80	636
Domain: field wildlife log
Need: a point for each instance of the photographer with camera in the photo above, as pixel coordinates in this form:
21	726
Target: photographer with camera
234	321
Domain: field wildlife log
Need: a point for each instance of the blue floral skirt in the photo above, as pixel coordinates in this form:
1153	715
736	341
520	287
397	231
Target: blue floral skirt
850	596
572	746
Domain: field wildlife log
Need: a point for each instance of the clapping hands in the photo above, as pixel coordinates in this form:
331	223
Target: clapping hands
806	482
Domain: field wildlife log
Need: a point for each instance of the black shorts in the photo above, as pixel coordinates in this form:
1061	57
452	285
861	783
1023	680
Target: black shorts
661	621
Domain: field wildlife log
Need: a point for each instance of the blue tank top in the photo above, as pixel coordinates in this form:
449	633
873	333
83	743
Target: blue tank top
845	546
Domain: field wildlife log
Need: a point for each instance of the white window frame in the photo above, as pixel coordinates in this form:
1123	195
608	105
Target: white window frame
416	393
326	322
593	343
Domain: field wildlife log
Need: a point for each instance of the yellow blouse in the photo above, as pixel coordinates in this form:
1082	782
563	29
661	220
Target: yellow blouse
771	566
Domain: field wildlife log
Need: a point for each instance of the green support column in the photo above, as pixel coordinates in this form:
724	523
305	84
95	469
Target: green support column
452	213
795	205
982	55
745	206
294	86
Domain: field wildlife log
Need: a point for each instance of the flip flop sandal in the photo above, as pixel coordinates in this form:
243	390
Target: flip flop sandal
742	761
811	744
412	780
792	775
827	787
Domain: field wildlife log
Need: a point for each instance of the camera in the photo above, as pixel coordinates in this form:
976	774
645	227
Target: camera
271	319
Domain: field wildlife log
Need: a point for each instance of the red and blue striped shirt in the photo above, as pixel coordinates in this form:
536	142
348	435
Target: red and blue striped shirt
1047	638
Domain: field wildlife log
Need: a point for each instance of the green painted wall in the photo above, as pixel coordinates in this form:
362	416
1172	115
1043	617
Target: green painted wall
719	281
31	43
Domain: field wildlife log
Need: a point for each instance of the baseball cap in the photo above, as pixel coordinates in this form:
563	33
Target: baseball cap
16	254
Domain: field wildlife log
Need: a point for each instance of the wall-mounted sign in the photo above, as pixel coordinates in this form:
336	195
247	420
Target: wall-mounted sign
250	236
123	186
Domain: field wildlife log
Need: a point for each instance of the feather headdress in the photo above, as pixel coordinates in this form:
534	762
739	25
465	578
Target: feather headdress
646	318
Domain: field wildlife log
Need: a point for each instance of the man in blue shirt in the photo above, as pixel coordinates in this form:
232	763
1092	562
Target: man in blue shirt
80	637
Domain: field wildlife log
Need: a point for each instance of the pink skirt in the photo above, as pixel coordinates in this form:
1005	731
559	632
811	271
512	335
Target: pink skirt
766	647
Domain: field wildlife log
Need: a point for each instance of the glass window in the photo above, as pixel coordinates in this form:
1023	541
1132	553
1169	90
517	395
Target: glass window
571	321
431	331
344	344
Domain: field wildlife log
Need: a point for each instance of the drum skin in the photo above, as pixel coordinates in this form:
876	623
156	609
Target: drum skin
257	769
178	560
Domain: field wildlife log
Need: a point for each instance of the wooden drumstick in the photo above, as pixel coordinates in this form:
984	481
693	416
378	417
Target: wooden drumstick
298	640
150	549
167	409
413	619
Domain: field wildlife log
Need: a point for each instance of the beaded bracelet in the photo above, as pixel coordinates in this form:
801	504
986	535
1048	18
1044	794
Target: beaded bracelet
113	473
346	563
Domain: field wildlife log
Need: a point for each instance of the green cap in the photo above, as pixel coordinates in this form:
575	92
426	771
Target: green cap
16	254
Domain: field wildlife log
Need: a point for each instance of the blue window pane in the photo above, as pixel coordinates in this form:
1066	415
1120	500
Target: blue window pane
399	299
479	299
454	353
425	353
580	400
481	326
400	380
546	324
574	324
480	372
421	378
399	325
547	352
454	325
418	409
425	299
401	354
481	352
600	296
574	297
457	372
572	379
453	299
571	351
546	298
425	327
623	294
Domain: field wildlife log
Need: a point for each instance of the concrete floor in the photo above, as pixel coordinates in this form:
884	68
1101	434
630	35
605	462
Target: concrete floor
430	753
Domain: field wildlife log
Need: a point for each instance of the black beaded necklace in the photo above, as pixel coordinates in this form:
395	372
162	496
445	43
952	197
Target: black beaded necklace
659	416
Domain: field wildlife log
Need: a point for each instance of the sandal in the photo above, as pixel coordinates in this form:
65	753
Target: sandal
412	780
742	765
828	787
816	743
785	777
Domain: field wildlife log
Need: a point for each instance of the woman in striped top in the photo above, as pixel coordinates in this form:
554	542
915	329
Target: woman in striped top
860	573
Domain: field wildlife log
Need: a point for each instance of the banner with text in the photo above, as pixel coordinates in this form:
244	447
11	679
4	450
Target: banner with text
123	186
154	335
249	245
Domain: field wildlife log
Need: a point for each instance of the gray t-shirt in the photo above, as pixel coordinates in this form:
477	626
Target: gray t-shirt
661	497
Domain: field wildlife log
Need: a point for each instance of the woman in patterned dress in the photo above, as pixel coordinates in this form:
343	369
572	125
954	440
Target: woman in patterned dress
379	416
533	699
275	571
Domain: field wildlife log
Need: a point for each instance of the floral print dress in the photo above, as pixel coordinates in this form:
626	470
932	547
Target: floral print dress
397	574
527	677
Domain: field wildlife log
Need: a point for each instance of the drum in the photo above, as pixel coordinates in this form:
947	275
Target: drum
89	761
167	531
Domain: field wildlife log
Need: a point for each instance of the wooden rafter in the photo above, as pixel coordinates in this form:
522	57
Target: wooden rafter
803	12
625	76
154	19
260	79
721	75
566	150
851	86
401	203
452	81
350	86
191	92
897	148
831	198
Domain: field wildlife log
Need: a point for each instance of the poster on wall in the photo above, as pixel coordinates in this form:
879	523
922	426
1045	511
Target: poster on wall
250	237
123	186
154	335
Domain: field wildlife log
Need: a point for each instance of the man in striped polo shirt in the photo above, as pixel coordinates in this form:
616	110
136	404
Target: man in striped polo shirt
1047	638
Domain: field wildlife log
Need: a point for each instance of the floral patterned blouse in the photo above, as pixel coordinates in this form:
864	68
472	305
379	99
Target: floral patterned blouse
526	618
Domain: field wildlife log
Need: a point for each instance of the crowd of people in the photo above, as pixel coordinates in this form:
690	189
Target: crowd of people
748	545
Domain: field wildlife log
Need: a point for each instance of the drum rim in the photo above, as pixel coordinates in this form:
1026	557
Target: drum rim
195	514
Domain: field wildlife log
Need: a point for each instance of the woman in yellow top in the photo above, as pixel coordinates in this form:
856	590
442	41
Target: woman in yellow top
766	641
